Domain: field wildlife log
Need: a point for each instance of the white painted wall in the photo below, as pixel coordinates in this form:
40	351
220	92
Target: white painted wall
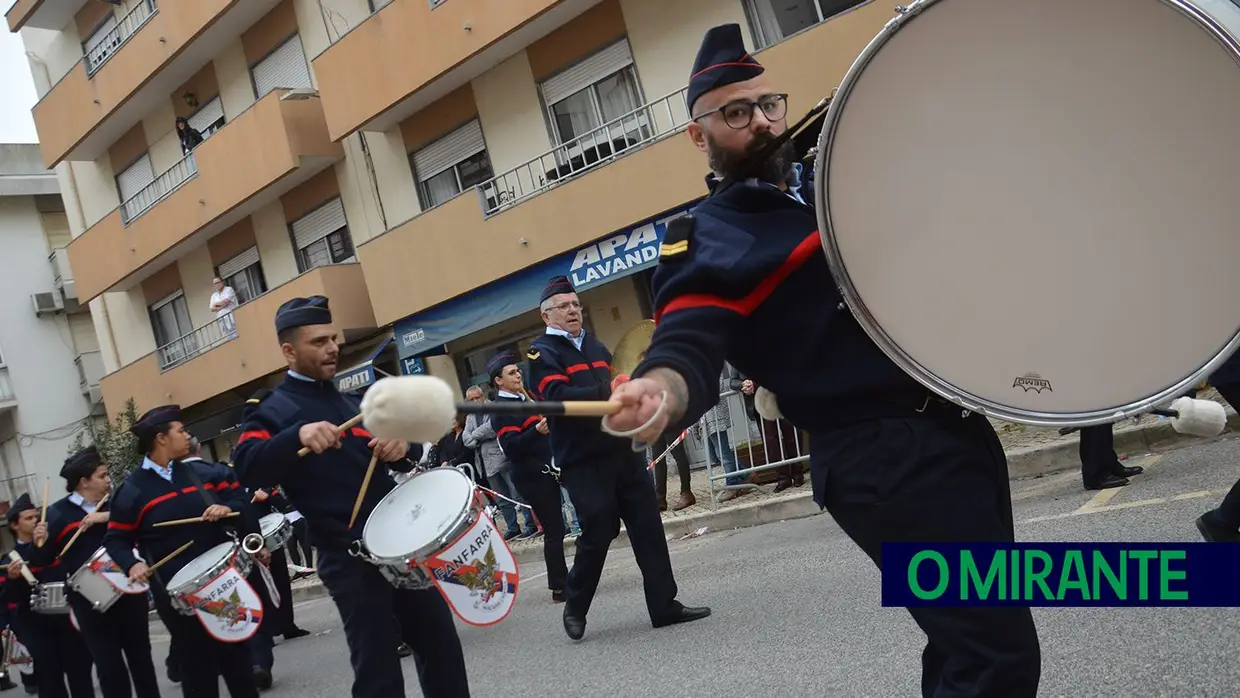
358	192
162	142
38	352
52	54
512	119
394	176
275	248
665	36
95	190
131	324
323	22
233	77
196	273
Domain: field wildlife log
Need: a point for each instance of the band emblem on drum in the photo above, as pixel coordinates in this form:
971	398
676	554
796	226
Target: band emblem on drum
228	607
477	574
104	566
1032	381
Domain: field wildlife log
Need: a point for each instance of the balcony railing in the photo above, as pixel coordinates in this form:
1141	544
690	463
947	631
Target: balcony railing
201	339
98	52
59	259
650	122
184	170
6	388
90	369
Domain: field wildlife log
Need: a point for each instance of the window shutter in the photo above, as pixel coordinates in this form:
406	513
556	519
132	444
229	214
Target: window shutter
210	113
135	178
449	150
319	223
82	328
239	262
285	67
587	72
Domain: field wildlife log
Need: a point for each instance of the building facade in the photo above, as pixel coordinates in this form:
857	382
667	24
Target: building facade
427	164
50	360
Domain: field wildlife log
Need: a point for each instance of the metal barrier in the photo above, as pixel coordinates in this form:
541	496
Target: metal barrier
201	339
184	170
110	43
645	124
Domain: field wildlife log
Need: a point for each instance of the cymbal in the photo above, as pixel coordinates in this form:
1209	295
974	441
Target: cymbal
631	348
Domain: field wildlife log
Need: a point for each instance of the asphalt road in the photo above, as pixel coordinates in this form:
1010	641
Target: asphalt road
797	612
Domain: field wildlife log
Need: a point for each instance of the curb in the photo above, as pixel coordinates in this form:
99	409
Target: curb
1027	463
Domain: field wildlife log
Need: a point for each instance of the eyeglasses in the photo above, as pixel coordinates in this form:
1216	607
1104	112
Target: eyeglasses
575	305
738	115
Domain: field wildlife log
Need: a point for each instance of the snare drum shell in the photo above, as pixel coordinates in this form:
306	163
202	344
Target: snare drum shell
1010	194
421	516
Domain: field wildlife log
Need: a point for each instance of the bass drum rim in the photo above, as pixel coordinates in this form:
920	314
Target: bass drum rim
847	289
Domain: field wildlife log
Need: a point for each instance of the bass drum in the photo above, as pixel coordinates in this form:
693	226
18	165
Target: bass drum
1031	206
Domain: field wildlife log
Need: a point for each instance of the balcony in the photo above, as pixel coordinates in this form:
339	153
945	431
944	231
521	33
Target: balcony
59	259
639	167
151	51
44	14
8	400
277	144
408	45
90	373
214	359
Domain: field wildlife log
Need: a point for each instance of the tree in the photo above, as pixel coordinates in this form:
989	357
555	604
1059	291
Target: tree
116	444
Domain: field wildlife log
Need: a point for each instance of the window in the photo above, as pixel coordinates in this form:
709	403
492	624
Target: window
101	43
173	330
775	20
599	89
209	118
322	237
135	178
284	67
244	274
451	165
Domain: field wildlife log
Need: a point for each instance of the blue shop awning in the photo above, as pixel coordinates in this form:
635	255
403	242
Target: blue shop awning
363	375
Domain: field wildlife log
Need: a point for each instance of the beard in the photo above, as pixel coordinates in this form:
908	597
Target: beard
739	165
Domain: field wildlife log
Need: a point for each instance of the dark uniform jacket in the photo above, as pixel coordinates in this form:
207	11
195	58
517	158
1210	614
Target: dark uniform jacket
321	486
744	278
1228	373
559	371
15	593
527	450
64	518
146	498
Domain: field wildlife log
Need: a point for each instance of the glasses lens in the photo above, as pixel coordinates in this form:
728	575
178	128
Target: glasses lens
774	107
737	115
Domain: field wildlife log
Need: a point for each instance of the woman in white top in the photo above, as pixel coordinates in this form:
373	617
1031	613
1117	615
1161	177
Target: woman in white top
223	302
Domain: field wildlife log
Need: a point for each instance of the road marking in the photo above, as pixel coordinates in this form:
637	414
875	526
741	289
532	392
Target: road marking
1103	498
1084	511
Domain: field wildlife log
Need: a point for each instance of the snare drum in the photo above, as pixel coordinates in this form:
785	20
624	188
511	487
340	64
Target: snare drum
422	516
1009	194
101	581
276	530
189	583
49	598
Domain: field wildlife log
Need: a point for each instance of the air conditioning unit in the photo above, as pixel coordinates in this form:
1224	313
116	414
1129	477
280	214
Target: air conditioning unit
45	303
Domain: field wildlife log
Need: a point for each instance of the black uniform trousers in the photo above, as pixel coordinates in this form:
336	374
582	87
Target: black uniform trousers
120	643
660	468
59	654
1097	449
606	490
542	492
377	616
201	658
1229	511
279	574
298	548
937	477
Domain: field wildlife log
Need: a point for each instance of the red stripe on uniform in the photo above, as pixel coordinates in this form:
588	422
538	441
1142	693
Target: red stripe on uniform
746	305
542	384
600	364
68	529
261	434
158	500
577	368
118	526
360	432
505	430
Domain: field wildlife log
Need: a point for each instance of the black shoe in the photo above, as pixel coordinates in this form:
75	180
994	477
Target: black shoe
403	650
6	683
1107	483
1127	470
295	633
575	626
262	678
1214	531
174	673
557	597
682	614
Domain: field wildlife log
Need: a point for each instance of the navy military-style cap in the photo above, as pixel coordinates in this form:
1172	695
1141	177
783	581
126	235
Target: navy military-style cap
299	312
147	425
496	365
23	503
81	465
721	60
556	286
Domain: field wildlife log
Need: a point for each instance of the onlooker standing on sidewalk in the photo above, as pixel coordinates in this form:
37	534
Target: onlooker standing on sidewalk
480	436
682	468
718	447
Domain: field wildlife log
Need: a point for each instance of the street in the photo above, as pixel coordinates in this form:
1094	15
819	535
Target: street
797	612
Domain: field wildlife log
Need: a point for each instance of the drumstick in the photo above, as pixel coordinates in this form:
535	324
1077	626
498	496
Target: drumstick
81	528
169	556
16	557
361	494
47	483
530	408
194	519
305	450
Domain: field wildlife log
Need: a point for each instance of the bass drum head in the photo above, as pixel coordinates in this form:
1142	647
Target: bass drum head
418	514
1031	206
200	565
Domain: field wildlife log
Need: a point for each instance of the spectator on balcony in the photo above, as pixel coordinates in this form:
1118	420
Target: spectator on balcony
190	137
223	302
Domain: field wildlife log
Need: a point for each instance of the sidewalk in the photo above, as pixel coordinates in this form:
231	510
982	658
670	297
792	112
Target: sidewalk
1031	452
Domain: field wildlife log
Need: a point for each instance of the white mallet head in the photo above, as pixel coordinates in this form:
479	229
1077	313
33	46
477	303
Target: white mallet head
409	408
1199	417
767	405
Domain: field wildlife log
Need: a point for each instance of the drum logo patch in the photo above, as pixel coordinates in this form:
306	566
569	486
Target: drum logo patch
228	607
1032	381
477	574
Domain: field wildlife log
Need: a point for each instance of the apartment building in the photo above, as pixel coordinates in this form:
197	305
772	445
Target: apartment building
50	363
427	164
